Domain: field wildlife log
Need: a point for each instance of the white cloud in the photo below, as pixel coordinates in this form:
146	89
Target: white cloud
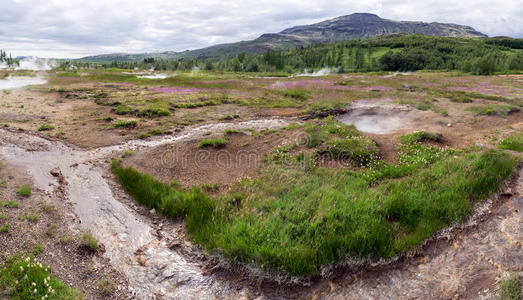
74	28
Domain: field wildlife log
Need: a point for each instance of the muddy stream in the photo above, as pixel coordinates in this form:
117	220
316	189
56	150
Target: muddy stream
473	259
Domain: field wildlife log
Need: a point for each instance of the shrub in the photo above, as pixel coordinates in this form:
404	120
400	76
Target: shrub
24	190
89	242
213	143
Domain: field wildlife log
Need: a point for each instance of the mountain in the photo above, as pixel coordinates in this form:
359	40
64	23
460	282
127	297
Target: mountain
354	26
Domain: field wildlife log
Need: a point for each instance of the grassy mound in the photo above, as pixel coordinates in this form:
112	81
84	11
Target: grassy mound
298	219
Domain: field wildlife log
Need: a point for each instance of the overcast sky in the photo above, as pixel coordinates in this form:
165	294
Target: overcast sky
76	28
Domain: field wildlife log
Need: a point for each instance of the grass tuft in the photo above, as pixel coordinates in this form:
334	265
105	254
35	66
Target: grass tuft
514	142
510	287
89	242
213	143
24	191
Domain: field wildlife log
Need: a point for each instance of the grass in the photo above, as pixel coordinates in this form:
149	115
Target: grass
89	242
324	108
127	153
28	279
124	124
510	287
46	127
298	217
232	131
4	228
152	132
24	190
9	204
297	94
38	248
213	143
420	136
493	110
33	218
106	286
514	142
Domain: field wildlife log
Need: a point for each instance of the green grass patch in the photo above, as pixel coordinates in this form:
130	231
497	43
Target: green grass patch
514	142
9	204
4	228
324	108
152	132
24	190
124	124
298	217
89	242
28	279
297	94
46	127
419	137
213	143
510	287
493	110
232	131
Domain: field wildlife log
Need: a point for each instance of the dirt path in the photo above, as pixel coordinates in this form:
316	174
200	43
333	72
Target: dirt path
143	249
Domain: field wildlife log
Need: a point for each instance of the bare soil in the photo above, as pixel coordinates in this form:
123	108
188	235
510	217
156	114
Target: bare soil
44	220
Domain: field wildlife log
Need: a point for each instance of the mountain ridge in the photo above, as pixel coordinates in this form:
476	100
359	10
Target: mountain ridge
347	27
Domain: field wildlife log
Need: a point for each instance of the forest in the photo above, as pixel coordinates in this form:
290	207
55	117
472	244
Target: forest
384	53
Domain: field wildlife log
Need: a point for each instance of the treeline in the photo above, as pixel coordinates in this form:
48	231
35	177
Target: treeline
9	60
384	53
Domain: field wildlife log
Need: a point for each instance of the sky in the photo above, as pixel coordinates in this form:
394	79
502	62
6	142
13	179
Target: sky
74	28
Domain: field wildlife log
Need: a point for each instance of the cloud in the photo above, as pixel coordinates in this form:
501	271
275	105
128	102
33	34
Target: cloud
74	28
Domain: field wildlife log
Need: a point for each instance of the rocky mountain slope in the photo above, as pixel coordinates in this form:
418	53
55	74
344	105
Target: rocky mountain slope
354	26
